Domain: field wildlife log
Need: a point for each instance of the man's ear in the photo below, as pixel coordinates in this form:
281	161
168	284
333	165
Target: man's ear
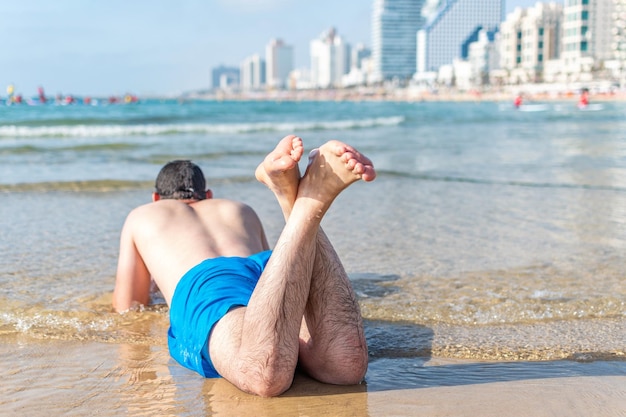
155	197
209	194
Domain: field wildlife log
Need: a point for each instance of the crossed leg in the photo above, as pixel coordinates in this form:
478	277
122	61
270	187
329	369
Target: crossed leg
332	341
257	347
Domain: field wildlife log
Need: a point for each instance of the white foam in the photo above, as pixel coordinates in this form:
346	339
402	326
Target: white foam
24	323
199	128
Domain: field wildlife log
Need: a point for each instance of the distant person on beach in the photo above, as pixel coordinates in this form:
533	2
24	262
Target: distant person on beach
237	309
583	101
42	95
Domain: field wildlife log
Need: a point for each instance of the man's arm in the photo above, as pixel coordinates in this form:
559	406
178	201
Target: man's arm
132	283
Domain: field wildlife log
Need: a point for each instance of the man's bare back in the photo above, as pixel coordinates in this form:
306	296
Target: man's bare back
301	309
172	236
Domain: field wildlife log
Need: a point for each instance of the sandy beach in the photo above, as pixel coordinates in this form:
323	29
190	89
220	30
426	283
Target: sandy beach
76	378
530	93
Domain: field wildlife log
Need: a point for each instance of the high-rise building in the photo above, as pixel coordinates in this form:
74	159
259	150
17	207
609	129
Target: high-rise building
224	75
360	66
279	61
483	58
455	24
252	73
330	60
528	39
510	40
359	53
394	25
587	34
619	38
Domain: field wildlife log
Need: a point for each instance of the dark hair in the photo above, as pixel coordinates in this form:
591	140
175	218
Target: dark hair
181	180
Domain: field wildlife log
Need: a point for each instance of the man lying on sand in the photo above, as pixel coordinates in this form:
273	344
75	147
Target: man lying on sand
237	309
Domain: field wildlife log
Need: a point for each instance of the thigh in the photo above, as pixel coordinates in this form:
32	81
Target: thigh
225	342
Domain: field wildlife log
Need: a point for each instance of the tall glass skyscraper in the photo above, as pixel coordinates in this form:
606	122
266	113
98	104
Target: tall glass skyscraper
454	26
394	27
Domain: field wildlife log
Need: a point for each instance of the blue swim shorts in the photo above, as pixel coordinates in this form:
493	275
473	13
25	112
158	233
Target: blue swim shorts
202	297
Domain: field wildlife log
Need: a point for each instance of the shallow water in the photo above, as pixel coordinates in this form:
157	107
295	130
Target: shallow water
112	379
489	234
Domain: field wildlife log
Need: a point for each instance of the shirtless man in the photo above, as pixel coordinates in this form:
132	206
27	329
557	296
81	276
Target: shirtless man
238	310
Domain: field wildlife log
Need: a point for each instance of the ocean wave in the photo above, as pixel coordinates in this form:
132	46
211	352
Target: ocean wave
488	181
104	130
76	186
578	340
102	186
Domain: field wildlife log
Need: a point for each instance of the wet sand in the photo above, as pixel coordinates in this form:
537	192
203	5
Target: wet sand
80	378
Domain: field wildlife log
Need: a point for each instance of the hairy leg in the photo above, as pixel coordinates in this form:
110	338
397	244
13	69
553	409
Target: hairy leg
332	341
257	347
332	345
336	350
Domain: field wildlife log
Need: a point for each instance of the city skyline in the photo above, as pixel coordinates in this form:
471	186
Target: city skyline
158	47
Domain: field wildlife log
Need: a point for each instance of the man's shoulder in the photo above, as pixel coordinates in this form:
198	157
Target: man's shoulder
170	208
144	212
152	206
220	204
157	209
226	210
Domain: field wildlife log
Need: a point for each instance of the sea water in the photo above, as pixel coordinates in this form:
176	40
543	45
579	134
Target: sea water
489	234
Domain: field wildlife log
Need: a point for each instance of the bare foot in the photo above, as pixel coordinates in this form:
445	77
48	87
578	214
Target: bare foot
332	168
279	170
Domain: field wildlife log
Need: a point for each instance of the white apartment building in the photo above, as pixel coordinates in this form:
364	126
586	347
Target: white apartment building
252	74
529	38
394	25
587	37
510	40
279	63
483	58
358	76
455	25
330	60
300	79
618	43
541	36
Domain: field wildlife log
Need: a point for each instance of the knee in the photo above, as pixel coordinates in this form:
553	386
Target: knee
353	360
270	383
342	368
360	366
269	377
354	367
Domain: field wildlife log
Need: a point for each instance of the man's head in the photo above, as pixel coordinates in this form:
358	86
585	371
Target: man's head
181	180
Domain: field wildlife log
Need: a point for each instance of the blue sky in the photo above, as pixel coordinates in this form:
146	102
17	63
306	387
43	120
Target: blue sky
89	47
